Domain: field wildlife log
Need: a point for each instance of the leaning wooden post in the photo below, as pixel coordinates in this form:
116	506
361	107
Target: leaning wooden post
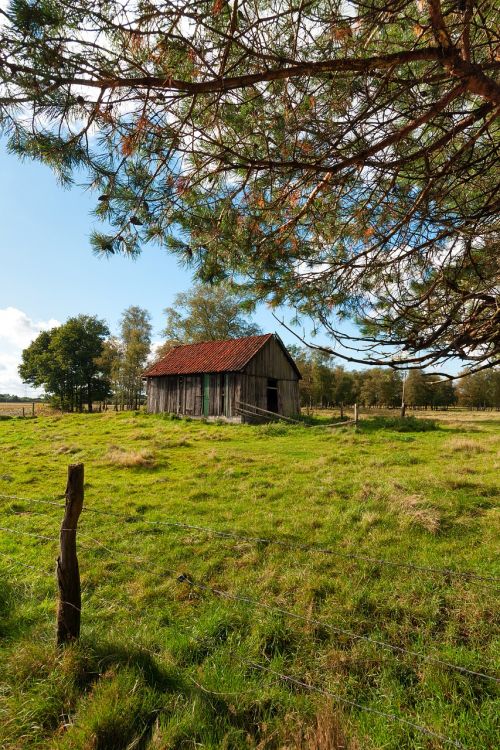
356	415
68	575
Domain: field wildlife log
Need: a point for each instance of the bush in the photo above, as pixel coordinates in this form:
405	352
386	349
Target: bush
398	424
274	429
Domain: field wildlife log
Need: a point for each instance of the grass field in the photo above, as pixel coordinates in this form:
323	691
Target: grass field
168	664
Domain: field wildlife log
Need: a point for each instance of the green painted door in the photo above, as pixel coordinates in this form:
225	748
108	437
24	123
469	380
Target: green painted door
206	394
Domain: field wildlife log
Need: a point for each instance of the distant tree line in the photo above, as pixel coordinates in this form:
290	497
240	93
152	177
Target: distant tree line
480	391
11	398
326	384
78	363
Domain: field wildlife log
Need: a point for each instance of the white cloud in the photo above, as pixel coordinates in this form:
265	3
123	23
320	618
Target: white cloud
17	331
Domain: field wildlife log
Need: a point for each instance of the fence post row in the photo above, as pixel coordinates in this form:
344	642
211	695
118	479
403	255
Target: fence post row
68	574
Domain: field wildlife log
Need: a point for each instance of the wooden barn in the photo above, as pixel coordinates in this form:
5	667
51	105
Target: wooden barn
239	379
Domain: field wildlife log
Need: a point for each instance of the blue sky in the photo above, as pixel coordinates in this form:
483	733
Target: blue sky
48	272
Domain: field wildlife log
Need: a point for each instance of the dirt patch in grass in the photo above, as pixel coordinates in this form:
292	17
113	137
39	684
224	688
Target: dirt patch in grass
117	456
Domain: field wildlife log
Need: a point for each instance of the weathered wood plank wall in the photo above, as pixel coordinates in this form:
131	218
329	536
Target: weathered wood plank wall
271	362
184	394
175	394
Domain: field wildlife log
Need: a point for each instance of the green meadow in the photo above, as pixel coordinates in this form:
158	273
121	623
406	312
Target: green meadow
259	644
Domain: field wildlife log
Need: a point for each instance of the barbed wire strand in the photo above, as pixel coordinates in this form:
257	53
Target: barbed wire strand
29	533
32	500
113	553
466	574
471	575
183	578
354	704
341	631
339	698
21	532
23	564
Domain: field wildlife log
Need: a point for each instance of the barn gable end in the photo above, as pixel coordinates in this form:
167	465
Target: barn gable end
272	363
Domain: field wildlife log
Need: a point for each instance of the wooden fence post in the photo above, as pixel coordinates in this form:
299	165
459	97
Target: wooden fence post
342	410
356	415
33	409
68	575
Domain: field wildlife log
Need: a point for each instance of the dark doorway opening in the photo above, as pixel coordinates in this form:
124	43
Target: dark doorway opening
206	395
272	395
222	394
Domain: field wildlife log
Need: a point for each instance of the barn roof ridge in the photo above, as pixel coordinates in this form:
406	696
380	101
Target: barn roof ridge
228	355
225	341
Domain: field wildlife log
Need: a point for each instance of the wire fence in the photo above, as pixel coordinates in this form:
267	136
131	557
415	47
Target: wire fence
244	598
294	681
257	604
354	704
21	409
334	629
19	564
255	538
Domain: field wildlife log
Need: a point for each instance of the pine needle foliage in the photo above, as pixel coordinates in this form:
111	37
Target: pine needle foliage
342	158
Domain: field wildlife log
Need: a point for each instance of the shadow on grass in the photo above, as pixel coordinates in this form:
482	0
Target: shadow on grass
127	700
103	656
7	619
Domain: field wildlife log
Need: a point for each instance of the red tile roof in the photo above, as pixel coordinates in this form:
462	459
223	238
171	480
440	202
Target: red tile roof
209	356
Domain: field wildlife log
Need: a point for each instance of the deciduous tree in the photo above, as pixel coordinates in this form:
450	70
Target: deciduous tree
66	361
381	387
480	391
135	331
208	313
